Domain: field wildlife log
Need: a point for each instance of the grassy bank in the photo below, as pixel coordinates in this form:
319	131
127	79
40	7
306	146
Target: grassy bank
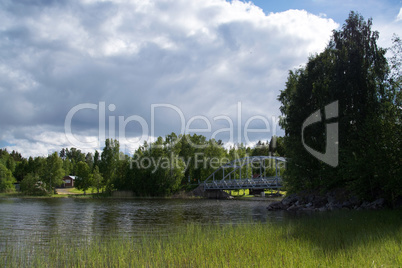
21	195
91	190
341	239
67	192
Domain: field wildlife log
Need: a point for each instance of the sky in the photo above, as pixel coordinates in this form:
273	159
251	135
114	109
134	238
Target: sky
73	73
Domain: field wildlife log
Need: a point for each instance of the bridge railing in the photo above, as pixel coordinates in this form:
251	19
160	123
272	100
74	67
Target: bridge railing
247	183
229	181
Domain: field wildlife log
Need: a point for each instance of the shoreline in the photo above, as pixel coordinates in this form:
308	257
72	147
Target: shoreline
338	199
182	196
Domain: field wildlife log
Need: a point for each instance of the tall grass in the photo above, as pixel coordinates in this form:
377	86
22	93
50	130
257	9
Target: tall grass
342	239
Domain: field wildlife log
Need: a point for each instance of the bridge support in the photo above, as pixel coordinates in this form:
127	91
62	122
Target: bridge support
211	194
216	194
255	191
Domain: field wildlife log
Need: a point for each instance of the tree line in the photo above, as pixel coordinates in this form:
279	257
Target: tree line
160	168
354	71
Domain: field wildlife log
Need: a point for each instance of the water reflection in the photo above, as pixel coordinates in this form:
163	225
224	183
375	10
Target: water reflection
21	219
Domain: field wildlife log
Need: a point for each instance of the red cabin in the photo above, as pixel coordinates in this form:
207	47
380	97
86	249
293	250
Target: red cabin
68	181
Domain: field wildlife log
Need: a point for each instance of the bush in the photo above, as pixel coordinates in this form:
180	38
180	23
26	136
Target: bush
6	180
32	185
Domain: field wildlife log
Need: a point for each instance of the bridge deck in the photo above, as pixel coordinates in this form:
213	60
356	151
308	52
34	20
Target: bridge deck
253	183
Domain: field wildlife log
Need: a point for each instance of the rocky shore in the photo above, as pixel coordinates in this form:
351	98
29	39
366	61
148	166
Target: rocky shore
333	200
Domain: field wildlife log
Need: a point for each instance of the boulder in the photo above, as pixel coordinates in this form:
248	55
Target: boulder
308	209
319	201
377	204
333	200
294	207
324	208
276	206
289	200
364	205
333	206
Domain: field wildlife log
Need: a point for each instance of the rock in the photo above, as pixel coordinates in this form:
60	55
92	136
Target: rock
319	201
334	200
290	200
294	207
347	204
308	209
377	204
355	201
331	198
334	206
276	206
364	205
351	203
310	198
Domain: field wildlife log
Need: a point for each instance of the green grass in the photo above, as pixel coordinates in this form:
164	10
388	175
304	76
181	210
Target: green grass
341	239
8	194
238	193
245	193
76	191
21	195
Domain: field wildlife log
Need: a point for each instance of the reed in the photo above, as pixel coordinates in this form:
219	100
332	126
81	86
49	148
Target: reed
339	239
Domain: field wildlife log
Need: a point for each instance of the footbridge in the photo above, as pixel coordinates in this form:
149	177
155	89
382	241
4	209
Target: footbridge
253	172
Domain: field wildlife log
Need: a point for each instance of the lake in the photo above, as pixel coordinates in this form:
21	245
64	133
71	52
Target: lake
23	219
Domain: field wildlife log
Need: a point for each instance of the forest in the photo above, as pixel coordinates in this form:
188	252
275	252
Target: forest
365	80
160	168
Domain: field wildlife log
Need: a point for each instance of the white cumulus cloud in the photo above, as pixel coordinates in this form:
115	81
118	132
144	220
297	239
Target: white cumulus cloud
202	57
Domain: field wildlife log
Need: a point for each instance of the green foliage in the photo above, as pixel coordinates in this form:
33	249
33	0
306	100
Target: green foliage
84	178
96	160
67	167
109	163
97	178
156	171
71	157
6	179
32	185
53	175
161	168
38	165
276	146
352	70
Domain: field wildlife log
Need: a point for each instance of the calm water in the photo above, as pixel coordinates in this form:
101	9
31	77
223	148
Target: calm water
22	219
